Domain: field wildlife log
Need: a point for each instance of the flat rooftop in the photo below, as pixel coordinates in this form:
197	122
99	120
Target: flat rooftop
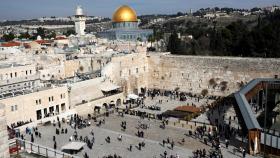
2	66
24	91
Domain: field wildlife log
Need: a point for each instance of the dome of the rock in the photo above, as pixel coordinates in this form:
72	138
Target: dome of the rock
124	14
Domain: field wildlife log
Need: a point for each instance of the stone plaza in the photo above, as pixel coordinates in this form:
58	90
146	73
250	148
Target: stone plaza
153	136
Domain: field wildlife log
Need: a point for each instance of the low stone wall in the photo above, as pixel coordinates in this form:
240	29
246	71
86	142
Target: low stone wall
88	108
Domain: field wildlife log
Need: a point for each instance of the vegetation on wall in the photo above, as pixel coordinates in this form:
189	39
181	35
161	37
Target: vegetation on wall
204	92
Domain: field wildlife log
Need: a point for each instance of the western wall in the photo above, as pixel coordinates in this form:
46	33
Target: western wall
216	75
128	71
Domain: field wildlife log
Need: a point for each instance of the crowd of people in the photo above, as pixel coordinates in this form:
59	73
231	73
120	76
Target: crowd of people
207	135
112	156
20	123
199	153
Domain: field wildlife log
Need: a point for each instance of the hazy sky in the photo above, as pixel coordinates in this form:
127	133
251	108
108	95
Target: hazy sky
27	9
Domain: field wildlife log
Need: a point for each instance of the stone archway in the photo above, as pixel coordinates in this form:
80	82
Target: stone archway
143	90
97	109
112	104
105	106
118	102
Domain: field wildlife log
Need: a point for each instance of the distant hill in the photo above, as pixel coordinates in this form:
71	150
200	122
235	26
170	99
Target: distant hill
250	36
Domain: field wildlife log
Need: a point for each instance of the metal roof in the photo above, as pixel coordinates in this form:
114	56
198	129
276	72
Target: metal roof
245	108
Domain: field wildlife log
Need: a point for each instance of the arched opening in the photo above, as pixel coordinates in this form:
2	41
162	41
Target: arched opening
135	91
105	105
112	104
118	102
97	109
143	90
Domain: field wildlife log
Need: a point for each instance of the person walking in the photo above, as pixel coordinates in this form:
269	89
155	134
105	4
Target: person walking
54	146
172	144
139	146
227	143
32	138
86	155
243	153
120	137
165	154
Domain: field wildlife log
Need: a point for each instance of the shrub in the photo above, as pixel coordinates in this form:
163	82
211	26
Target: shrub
204	92
212	82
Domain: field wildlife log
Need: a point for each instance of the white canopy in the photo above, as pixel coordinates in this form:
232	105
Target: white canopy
107	87
132	96
73	146
98	105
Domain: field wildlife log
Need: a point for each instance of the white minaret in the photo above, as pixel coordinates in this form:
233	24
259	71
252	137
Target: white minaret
80	21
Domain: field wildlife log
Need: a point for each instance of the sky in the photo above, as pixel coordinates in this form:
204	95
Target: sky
29	9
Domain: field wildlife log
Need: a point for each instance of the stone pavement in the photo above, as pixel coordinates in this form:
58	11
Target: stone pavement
168	104
152	138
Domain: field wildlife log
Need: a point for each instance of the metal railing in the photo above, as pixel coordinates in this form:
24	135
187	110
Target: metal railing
29	147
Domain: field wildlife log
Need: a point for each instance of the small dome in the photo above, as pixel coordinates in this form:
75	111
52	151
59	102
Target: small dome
124	14
39	37
79	10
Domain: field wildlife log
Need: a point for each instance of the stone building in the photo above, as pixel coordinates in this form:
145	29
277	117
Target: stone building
16	71
36	104
4	144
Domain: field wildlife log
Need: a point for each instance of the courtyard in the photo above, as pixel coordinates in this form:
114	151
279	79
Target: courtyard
153	137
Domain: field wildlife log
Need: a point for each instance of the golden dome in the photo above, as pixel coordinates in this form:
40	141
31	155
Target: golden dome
124	14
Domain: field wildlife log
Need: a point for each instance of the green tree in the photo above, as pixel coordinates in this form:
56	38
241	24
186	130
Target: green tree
8	37
25	35
174	44
41	32
51	35
151	39
255	9
180	14
69	32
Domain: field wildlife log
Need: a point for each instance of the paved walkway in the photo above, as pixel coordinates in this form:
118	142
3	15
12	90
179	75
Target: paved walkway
152	138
